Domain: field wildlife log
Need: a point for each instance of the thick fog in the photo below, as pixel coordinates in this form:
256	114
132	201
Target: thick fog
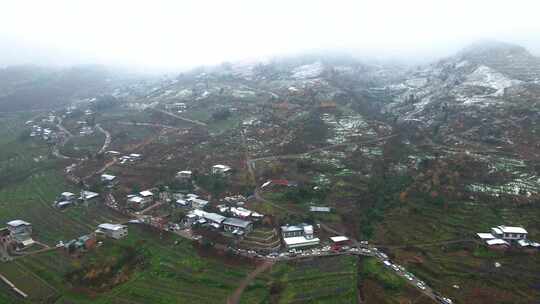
174	34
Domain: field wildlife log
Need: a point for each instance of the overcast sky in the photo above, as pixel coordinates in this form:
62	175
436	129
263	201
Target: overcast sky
173	34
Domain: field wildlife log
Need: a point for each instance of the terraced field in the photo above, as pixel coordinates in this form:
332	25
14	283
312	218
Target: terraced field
321	280
442	251
172	272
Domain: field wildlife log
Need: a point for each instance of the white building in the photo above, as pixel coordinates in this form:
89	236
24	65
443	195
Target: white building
497	243
509	233
115	231
299	236
88	195
67	196
108	179
21	232
184	174
135	156
220	169
147	196
135	201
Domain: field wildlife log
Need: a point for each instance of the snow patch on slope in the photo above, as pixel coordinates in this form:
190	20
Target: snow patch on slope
487	77
308	71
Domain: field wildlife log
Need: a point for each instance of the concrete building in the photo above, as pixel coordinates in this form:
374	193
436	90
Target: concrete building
299	236
509	233
20	232
115	231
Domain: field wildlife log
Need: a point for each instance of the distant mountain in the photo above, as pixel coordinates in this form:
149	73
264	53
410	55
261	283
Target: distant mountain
488	92
34	87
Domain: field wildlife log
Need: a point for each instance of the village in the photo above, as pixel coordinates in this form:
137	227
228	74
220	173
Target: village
223	222
270	172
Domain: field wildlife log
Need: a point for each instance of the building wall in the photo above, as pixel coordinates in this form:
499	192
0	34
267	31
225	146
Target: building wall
288	234
116	234
514	236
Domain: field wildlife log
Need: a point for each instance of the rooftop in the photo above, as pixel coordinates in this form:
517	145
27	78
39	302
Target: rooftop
300	240
16	223
135	199
108	226
497	242
485	236
509	229
223	167
232	221
319	209
146	193
108	177
299	227
214	217
337	239
89	194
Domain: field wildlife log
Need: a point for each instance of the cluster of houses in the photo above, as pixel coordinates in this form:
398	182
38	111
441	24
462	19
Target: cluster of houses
129	158
239	212
189	201
44	133
503	237
89	241
236	226
17	233
85	128
68	199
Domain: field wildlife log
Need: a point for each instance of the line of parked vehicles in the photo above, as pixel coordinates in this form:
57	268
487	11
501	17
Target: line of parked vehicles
400	270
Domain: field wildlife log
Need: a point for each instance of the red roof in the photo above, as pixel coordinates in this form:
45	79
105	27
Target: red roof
282	182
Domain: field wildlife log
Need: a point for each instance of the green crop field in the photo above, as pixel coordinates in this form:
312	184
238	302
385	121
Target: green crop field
425	233
81	146
321	280
172	272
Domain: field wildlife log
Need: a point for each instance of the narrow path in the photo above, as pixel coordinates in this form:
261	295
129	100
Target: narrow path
107	141
13	287
200	123
234	298
56	148
148	124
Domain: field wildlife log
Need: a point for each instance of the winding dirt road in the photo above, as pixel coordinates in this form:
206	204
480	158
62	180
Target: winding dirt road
234	298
